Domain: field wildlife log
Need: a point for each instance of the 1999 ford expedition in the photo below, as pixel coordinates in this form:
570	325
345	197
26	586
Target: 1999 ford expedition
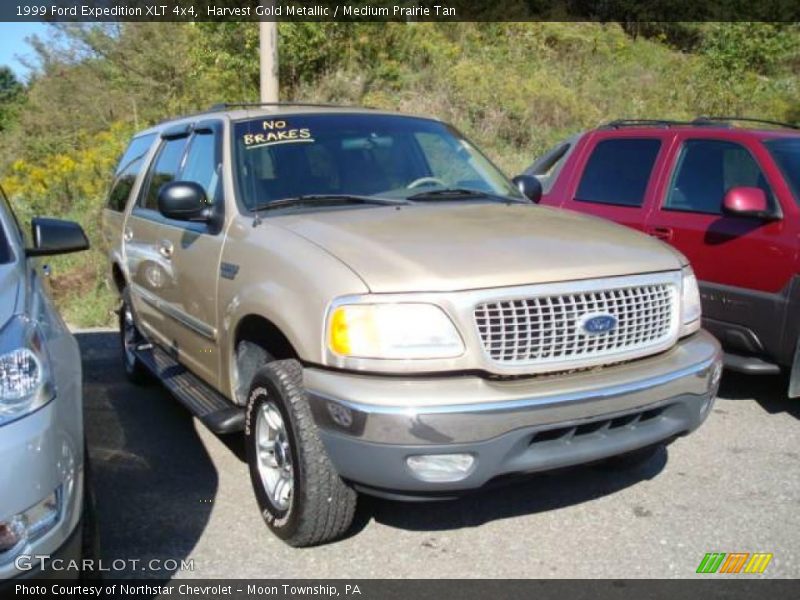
380	310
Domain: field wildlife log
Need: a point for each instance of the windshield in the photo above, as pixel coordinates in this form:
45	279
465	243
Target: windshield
359	154
5	250
786	152
6	255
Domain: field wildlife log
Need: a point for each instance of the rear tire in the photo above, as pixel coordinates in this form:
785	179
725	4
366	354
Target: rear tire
130	337
301	496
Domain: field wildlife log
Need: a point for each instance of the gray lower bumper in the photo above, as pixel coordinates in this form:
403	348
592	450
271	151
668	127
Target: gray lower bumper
370	425
43	452
71	552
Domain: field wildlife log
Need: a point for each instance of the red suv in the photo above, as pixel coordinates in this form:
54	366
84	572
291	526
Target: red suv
727	197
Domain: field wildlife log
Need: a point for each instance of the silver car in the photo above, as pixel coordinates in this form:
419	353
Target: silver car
42	494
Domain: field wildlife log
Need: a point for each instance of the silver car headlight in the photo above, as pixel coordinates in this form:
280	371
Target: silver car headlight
392	331
690	303
25	382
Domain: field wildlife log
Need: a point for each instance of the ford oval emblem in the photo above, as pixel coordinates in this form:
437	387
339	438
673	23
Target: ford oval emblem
597	323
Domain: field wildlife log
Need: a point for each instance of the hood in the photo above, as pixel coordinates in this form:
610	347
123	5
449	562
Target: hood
459	246
10	281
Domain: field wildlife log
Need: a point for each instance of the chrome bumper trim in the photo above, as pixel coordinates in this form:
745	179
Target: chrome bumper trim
449	410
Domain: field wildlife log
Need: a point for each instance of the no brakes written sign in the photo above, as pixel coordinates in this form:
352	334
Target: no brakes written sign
276	131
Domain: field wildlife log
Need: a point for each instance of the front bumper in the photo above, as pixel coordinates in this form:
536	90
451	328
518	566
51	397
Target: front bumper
371	424
43	452
70	553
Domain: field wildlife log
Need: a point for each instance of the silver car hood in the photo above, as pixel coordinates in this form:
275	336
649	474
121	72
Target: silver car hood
459	246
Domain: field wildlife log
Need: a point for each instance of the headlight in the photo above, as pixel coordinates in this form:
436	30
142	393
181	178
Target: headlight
25	383
393	331
690	303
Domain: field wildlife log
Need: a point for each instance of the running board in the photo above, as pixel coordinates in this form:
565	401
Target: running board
751	365
208	405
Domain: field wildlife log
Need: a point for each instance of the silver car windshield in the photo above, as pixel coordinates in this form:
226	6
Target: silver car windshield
6	254
388	156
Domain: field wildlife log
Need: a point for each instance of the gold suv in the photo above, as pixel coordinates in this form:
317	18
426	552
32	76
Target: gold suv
380	310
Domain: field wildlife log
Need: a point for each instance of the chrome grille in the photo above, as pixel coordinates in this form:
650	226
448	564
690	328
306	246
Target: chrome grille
546	329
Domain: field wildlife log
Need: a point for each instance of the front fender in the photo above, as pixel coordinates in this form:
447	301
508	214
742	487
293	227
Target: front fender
275	274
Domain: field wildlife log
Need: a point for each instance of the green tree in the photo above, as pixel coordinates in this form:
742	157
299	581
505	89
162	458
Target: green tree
11	96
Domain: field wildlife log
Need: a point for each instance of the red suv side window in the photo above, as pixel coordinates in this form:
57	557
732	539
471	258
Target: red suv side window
618	172
706	170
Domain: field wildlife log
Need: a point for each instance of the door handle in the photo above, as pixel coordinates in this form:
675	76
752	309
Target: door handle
127	235
662	233
165	249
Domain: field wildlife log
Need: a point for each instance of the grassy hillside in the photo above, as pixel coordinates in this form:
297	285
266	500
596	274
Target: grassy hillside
514	88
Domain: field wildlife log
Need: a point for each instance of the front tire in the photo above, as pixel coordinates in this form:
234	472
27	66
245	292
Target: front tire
301	496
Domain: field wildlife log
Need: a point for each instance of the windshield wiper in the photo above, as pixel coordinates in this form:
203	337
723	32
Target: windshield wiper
461	193
326	199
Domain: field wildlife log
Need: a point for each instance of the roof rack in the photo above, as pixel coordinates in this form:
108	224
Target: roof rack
230	105
702	121
619	123
709	120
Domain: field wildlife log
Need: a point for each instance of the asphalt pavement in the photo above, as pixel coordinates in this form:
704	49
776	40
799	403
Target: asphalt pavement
169	490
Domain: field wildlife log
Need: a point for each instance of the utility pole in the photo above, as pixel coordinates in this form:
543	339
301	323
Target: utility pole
268	46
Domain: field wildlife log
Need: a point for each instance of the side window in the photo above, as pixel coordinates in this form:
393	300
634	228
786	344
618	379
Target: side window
127	171
618	171
123	184
202	164
164	169
706	170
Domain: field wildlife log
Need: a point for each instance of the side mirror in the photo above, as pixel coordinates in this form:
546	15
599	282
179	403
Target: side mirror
183	201
745	201
54	236
530	187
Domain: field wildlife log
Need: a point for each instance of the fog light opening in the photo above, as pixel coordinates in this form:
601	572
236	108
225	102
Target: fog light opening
341	415
24	528
13	537
441	467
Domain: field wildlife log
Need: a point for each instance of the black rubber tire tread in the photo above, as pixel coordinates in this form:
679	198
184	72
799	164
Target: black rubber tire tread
323	506
139	374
